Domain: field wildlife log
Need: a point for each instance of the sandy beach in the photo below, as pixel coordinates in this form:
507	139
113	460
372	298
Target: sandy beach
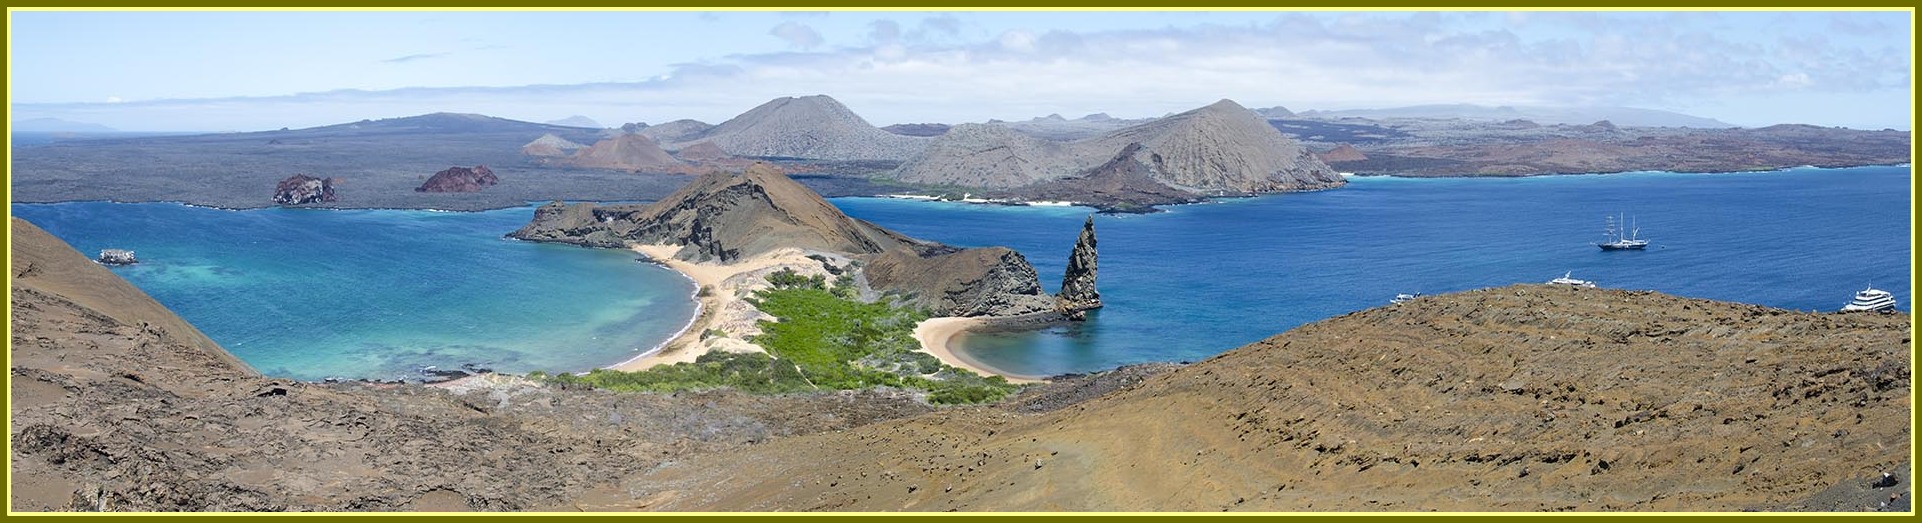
722	308
936	333
722	287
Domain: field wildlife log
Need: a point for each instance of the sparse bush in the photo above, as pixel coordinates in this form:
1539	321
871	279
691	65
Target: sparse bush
788	279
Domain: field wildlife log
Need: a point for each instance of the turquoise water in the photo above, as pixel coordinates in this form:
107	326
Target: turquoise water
310	294
373	293
1198	280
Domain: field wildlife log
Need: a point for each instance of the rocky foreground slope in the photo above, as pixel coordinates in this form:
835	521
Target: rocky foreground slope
1525	397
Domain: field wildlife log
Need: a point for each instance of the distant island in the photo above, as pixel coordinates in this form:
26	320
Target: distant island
1112	164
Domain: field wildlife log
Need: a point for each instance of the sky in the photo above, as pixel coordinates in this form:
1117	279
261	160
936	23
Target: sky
244	71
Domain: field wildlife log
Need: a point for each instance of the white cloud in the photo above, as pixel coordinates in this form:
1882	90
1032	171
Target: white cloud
930	72
884	32
1018	41
798	35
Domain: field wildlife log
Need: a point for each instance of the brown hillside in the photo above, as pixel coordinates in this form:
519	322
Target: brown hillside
47	271
729	216
628	152
1342	153
703	152
1516	398
984	281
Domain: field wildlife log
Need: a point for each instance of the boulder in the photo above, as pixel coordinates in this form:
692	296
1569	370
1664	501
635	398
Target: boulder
301	189
460	179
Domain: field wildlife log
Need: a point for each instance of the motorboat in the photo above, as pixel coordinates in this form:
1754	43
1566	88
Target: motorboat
1569	280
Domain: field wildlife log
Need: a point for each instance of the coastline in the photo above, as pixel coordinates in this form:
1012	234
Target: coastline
719	293
700	316
336	206
937	336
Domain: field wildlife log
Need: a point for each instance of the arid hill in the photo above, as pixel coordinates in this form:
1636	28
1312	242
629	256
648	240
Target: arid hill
917	129
460	179
1124	184
809	127
675	131
987	155
702	152
1460	147
1525	397
1222	148
726	217
1342	153
551	146
627	152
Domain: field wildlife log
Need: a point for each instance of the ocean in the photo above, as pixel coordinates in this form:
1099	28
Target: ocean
312	294
1200	279
379	293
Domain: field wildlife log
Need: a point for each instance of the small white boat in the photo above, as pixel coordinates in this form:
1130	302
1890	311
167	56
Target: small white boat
1404	298
116	257
1871	299
1569	280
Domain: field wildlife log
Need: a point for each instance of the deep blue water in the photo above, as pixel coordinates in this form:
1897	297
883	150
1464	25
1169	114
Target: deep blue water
1201	279
375	293
310	294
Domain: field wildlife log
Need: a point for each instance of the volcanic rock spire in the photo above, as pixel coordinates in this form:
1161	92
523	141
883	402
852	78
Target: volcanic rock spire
1078	294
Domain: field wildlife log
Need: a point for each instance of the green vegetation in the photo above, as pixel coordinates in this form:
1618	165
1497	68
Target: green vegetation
839	343
749	372
788	279
825	340
844	287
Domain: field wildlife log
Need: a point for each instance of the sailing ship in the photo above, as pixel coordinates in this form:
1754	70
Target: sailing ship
1617	241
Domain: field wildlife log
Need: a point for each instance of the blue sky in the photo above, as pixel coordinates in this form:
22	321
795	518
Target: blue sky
219	71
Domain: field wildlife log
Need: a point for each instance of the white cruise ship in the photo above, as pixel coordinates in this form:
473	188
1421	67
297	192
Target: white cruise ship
1569	280
1871	299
